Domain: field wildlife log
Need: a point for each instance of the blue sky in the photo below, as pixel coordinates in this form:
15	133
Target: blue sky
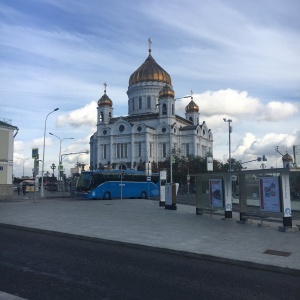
240	58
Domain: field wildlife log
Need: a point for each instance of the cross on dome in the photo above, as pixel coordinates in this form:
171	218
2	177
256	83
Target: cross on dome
150	42
105	85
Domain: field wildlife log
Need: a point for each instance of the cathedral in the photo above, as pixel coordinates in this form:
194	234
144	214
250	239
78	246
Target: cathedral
152	130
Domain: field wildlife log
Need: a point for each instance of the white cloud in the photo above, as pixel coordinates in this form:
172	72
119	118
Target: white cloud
82	116
233	103
275	111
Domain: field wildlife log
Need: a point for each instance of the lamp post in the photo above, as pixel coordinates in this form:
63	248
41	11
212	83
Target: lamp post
23	159
59	157
42	186
53	166
229	132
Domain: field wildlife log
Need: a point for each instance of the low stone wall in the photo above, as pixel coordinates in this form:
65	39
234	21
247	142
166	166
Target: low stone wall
6	191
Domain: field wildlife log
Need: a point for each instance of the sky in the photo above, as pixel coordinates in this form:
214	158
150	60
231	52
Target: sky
239	58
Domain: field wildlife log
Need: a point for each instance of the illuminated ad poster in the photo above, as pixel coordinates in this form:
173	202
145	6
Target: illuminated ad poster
216	192
269	194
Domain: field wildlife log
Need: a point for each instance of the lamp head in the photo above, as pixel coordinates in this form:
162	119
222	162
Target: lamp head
56	109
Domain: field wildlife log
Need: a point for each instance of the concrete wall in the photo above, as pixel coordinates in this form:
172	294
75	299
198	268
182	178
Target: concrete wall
6	191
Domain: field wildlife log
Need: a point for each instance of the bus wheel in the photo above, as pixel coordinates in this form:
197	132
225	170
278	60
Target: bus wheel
107	196
143	195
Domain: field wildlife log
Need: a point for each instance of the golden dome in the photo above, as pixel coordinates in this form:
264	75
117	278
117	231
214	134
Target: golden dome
166	92
192	107
287	157
150	71
105	101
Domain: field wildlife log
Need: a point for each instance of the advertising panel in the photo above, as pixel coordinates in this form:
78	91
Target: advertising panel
269	194
216	192
210	164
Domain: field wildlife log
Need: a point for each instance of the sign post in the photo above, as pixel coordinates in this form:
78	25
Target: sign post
162	194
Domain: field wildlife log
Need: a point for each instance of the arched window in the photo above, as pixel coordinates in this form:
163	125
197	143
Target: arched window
149	102
101	116
133	104
140	149
140	103
173	109
164	150
109	115
164	109
187	149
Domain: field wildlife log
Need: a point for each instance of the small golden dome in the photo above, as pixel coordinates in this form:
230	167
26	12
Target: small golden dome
166	92
105	101
150	71
287	157
192	107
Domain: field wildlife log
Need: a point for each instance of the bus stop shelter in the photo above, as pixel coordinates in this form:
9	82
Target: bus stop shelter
214	191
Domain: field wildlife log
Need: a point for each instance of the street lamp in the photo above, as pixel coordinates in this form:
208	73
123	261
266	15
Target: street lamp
59	157
23	159
42	187
229	132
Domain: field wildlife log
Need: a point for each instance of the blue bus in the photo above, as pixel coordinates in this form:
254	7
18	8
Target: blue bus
117	184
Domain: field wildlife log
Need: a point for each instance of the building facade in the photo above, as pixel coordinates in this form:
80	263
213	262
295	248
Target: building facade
152	129
7	134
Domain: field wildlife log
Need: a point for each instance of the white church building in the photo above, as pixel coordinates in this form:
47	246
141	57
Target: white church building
152	130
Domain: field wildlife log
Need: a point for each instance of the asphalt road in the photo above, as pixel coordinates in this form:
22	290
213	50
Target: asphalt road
41	266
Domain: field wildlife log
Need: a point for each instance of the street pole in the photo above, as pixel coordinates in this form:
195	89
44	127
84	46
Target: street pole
42	186
171	160
59	157
229	132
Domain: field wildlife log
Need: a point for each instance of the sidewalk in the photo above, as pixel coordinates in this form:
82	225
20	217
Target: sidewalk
142	223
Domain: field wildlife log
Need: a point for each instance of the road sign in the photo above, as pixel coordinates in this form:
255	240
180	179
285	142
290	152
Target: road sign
35	152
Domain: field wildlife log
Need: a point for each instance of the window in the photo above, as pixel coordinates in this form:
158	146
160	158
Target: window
187	149
173	109
140	149
109	115
164	150
164	109
104	151
150	149
122	150
163	130
133	104
121	128
191	119
140	103
101	116
203	131
104	132
118	150
149	102
139	129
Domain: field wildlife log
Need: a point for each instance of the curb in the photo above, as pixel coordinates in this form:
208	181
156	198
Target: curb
236	262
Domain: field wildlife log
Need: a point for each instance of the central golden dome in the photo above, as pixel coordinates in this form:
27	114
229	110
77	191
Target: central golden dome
150	70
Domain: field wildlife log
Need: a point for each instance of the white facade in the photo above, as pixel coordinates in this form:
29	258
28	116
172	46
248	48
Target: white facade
151	126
